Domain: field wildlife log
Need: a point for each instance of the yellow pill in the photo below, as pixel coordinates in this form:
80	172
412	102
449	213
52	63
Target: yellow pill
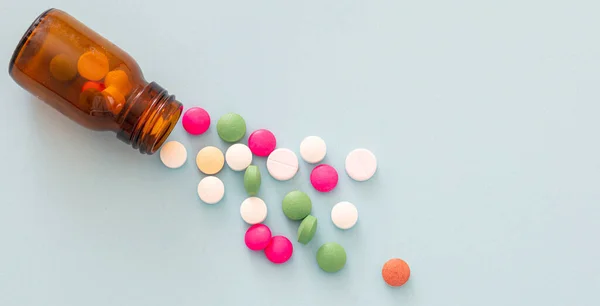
118	79
92	65
63	67
210	160
115	99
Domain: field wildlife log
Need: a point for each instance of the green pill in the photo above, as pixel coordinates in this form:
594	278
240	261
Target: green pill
331	257
307	229
231	127
296	205
252	180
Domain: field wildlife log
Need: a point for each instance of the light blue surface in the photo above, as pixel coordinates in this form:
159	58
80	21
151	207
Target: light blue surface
483	115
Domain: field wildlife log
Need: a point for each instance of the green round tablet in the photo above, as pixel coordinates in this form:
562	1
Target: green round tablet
231	127
331	257
252	180
296	205
307	229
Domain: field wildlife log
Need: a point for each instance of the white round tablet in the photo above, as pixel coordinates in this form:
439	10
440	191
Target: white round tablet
344	215
253	210
173	154
313	149
282	164
238	157
361	164
211	190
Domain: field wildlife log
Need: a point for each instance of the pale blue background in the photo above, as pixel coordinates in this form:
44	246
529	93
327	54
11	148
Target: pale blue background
483	114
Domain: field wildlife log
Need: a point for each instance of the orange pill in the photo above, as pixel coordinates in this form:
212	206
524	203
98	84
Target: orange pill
395	272
92	65
115	99
92	85
118	79
63	67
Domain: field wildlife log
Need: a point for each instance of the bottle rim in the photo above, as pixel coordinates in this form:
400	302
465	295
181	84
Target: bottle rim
25	38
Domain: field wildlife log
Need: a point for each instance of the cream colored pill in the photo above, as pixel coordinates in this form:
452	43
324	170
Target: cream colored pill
210	160
211	190
173	154
238	157
282	164
344	215
253	210
313	149
361	164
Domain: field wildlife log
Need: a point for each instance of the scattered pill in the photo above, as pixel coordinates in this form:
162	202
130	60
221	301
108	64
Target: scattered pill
262	142
395	272
331	257
63	67
361	164
313	149
238	157
196	121
307	229
92	65
253	210
118	79
211	190
252	180
344	215
92	85
231	127
173	154
282	164
210	160
324	178
257	237
279	250
296	205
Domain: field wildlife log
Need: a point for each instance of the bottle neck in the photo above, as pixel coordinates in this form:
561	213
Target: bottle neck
150	117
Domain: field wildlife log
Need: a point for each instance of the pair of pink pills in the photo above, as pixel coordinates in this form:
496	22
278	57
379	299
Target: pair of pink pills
278	249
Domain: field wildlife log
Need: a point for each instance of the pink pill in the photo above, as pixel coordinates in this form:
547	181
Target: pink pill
257	237
262	142
196	121
279	250
324	178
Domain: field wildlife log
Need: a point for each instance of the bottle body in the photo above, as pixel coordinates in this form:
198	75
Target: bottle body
92	81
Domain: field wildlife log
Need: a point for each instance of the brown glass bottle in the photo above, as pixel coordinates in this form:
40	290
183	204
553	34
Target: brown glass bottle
92	81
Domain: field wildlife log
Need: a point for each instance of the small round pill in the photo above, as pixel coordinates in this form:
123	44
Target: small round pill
344	215
262	142
313	149
331	257
252	180
296	205
196	121
282	164
231	127
118	79
324	178
92	85
253	210
238	157
211	190
307	229
361	164
395	272
210	160
92	65
279	250
114	98
173	154
257	237
63	67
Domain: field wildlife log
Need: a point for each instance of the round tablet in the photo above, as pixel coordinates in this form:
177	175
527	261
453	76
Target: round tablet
252	180
313	149
253	210
196	121
279	250
395	272
211	190
63	67
118	79
257	237
262	142
93	65
344	215
282	164
361	164
173	154
231	127
210	160
331	257
238	157
307	229
324	178
296	205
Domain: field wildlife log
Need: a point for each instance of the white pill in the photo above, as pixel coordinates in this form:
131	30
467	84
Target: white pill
344	215
238	157
173	154
313	149
211	190
361	164
282	164
253	210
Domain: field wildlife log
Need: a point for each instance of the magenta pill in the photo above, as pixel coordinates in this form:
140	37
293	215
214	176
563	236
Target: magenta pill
324	178
262	142
196	121
257	237
279	250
